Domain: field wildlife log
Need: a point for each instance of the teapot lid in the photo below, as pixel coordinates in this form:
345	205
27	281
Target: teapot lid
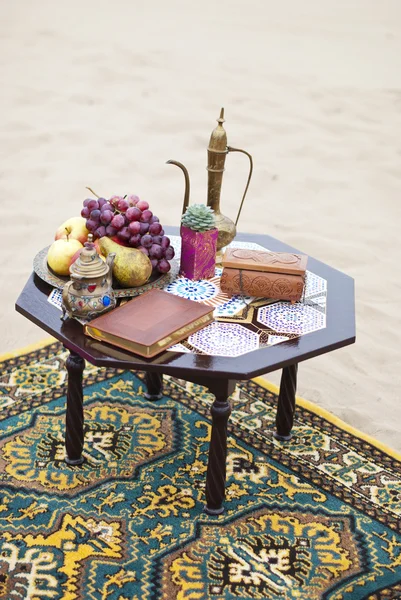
89	264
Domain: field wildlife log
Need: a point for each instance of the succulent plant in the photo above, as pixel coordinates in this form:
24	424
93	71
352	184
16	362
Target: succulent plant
198	217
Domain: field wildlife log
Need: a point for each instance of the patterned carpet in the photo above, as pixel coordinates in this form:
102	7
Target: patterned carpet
314	518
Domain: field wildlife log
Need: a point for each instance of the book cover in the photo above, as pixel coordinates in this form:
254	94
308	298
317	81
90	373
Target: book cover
150	323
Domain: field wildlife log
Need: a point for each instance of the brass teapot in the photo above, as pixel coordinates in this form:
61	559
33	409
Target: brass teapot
217	152
89	293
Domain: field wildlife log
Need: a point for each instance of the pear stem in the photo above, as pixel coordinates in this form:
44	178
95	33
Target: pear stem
94	193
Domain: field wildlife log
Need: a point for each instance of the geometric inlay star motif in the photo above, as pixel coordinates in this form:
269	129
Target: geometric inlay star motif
232	307
199	290
207	291
291	318
225	339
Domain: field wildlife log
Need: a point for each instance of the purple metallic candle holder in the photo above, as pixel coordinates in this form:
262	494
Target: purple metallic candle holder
198	253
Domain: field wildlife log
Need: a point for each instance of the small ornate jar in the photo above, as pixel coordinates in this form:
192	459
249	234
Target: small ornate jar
89	293
198	242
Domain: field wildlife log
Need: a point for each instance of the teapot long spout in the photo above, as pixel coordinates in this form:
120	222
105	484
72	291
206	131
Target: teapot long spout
187	184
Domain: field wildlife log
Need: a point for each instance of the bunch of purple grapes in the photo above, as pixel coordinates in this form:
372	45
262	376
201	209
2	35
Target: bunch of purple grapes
130	222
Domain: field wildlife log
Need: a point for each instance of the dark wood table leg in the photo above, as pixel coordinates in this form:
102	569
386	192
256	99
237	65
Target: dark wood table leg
286	403
74	422
154	384
216	468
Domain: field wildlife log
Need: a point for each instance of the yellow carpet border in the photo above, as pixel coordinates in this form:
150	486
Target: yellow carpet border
267	385
328	416
27	349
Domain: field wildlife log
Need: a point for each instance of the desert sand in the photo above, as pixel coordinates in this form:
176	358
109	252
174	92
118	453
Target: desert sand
103	93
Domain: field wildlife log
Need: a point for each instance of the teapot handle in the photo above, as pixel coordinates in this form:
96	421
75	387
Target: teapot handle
231	149
65	290
64	303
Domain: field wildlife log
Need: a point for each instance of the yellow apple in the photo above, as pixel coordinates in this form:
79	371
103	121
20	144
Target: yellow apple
60	255
75	255
75	228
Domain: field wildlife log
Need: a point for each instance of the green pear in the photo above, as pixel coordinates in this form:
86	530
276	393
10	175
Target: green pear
131	267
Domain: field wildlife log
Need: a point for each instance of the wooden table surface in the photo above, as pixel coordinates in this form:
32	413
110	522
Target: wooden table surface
339	330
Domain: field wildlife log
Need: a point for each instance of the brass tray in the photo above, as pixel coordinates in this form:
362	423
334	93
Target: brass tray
43	271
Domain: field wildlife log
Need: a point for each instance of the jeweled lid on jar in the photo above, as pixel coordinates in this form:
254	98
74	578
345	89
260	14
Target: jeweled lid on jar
89	264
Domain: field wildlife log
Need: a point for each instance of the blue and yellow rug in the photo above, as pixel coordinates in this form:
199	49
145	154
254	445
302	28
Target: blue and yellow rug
318	517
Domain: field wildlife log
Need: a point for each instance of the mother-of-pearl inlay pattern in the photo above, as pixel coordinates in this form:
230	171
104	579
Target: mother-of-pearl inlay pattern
236	330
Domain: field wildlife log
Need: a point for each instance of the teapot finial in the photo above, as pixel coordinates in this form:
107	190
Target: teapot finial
89	243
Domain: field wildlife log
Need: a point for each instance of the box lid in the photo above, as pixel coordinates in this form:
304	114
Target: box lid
263	260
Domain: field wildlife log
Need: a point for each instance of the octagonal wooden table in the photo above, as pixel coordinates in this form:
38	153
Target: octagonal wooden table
217	373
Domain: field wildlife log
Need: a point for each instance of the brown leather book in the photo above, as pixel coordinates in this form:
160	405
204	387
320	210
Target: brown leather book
150	323
263	285
262	260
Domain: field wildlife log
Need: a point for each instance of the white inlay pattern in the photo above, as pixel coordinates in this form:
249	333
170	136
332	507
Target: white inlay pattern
224	339
314	284
276	339
291	318
55	297
236	338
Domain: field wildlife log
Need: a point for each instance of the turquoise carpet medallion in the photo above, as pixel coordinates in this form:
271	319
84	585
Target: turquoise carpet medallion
316	518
